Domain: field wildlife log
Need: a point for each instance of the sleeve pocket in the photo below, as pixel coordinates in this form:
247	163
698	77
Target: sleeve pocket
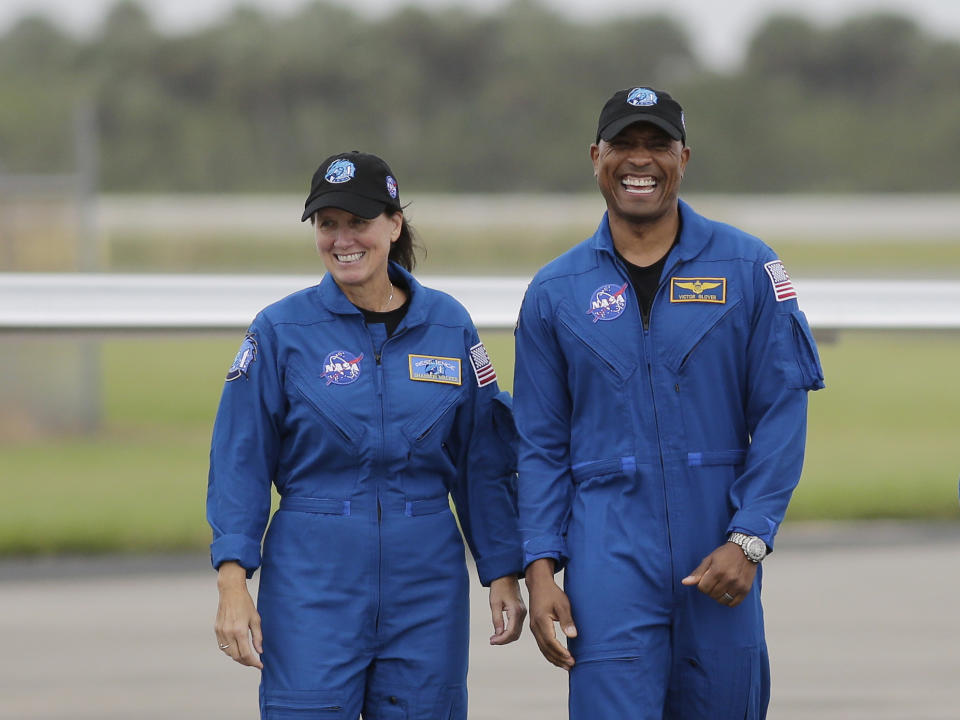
799	356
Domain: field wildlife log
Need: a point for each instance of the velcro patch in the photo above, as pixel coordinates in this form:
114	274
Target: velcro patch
782	284
482	367
701	289
433	368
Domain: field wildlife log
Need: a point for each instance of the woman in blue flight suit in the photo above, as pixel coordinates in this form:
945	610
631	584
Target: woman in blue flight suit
364	400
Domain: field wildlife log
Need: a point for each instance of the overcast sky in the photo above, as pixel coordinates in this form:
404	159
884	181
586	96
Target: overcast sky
719	28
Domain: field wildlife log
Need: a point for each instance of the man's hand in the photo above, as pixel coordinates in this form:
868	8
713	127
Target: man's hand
725	575
548	605
505	598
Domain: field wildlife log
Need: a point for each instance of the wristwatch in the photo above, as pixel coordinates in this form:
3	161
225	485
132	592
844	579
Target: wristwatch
753	547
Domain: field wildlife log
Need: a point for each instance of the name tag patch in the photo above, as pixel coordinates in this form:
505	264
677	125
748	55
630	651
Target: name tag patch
432	368
700	289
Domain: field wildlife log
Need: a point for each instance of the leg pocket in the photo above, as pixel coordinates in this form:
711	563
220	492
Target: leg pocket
627	687
453	703
301	705
731	684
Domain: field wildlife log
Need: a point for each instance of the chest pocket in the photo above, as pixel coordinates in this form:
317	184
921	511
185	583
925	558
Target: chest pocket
692	326
327	407
610	343
435	402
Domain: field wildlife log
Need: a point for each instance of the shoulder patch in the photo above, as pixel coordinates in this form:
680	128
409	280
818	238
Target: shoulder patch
434	368
245	357
482	367
782	285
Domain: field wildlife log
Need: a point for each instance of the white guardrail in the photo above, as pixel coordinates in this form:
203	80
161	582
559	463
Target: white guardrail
83	302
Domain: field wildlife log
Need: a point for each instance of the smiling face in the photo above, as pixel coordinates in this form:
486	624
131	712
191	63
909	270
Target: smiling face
639	172
354	249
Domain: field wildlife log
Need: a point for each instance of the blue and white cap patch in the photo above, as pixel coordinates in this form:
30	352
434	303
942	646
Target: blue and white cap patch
245	356
608	302
341	367
391	187
642	97
340	171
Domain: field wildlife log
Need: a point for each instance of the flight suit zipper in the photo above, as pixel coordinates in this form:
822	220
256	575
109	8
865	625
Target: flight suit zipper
645	347
656	417
380	465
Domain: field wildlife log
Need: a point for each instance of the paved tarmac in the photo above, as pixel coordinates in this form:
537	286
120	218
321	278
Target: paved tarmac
862	622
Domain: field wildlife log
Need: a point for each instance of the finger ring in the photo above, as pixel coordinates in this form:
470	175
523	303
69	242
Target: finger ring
727	596
224	647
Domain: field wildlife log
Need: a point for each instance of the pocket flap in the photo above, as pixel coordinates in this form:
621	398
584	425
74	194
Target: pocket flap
302	700
613	355
803	362
328	409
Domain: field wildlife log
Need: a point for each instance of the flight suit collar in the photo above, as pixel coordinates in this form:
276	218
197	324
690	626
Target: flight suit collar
695	233
336	303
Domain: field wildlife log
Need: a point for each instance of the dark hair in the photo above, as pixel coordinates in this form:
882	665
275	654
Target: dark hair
403	249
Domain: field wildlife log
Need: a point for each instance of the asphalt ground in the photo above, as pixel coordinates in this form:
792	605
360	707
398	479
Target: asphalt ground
862	622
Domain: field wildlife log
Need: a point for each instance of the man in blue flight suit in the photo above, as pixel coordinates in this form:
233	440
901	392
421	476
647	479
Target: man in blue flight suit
661	404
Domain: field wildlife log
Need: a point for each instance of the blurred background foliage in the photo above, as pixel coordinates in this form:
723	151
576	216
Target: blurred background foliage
464	102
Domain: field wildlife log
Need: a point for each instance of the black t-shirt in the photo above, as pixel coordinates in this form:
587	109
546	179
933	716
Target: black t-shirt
646	280
390	318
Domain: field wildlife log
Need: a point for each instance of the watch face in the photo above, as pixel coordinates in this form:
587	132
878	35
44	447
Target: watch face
756	549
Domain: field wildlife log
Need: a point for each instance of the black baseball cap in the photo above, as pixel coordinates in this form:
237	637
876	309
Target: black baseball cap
641	104
357	182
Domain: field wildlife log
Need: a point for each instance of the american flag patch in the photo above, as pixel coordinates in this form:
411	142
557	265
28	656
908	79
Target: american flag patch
782	285
482	367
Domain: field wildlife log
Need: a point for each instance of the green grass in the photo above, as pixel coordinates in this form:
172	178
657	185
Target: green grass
883	436
480	253
882	444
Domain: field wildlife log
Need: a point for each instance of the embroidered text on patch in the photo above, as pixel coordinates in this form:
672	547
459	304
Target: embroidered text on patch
782	285
433	368
246	355
341	367
607	302
702	289
482	367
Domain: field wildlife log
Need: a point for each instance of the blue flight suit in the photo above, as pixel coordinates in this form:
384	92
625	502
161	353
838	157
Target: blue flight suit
363	589
642	449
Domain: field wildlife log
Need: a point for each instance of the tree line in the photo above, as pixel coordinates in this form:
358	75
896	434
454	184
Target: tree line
461	101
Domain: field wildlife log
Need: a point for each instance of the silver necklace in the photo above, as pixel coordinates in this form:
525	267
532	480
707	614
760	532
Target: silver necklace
389	299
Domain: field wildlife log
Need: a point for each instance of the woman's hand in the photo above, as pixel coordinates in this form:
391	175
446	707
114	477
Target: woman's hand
505	598
237	618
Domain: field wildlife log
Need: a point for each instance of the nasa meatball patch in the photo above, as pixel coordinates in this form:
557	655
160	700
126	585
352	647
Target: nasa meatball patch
245	356
608	302
341	367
